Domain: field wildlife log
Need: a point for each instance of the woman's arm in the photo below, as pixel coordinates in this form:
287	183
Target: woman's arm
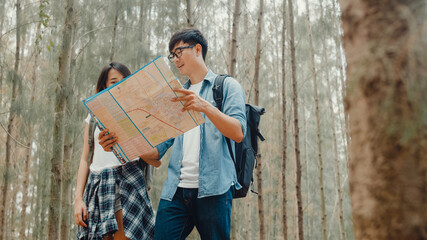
80	211
107	141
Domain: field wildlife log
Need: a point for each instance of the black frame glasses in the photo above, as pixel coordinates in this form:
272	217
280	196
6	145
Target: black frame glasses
178	52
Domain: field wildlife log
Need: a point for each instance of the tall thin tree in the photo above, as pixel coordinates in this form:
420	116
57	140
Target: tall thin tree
30	134
11	122
256	102
284	125
58	129
234	33
319	139
232	58
189	9
332	118
296	128
335	146
2	17
115	23
67	170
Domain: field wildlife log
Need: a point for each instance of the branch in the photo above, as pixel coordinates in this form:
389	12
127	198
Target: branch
23	145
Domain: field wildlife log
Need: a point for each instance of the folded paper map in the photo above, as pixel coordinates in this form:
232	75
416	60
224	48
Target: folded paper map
140	112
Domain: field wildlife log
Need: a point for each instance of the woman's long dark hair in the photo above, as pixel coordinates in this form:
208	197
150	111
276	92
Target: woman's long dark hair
103	77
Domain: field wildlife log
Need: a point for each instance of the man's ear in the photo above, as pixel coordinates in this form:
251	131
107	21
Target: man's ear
198	49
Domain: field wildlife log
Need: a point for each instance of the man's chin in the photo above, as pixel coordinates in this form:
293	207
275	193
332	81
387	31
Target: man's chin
181	71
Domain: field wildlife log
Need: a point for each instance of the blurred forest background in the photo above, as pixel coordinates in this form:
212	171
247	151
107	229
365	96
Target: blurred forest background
288	56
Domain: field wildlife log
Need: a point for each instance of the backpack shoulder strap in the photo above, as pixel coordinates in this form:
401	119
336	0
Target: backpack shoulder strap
92	126
218	89
218	96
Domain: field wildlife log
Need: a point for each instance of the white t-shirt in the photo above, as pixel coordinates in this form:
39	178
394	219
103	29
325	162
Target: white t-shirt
191	148
101	159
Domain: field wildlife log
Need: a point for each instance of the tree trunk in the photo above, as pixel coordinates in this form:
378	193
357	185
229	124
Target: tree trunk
248	219
42	199
386	97
344	126
190	21
309	215
284	125
113	41
67	210
231	71
335	146
256	102
12	223
68	170
235	30
58	131
30	135
142	26
295	106
2	17
319	139
12	114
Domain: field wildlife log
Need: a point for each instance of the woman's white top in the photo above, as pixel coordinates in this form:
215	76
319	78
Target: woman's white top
101	159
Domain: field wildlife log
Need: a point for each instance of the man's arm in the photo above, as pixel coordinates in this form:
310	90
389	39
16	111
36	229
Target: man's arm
228	126
108	140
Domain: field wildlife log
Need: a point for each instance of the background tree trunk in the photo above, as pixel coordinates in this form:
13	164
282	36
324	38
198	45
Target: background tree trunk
295	106
319	139
386	101
10	127
256	102
58	132
113	39
190	21
2	17
30	135
234	33
284	125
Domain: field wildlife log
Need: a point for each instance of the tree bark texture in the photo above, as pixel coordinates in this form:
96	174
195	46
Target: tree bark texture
2	17
113	39
190	21
234	32
67	196
10	127
386	101
231	71
284	125
295	107
334	136
256	102
30	136
58	130
319	139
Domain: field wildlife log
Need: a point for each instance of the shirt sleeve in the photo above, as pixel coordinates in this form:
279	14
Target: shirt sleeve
87	120
163	147
234	101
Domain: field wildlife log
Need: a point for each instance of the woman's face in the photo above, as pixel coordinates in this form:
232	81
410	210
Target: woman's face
114	77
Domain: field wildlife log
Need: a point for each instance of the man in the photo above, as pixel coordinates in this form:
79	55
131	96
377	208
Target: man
201	175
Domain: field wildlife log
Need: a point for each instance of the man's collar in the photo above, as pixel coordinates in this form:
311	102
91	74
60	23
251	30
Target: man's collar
210	77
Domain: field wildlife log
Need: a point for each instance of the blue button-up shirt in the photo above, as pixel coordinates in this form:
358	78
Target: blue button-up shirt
216	168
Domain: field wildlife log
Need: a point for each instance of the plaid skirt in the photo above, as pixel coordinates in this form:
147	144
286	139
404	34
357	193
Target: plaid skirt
100	198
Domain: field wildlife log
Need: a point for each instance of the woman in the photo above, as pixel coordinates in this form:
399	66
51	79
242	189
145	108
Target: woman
115	204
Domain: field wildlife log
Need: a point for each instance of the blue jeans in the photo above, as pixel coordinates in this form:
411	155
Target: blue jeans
211	215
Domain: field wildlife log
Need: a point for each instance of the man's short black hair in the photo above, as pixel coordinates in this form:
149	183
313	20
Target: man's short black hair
190	36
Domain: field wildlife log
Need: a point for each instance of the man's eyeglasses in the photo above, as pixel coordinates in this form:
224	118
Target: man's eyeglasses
178	52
